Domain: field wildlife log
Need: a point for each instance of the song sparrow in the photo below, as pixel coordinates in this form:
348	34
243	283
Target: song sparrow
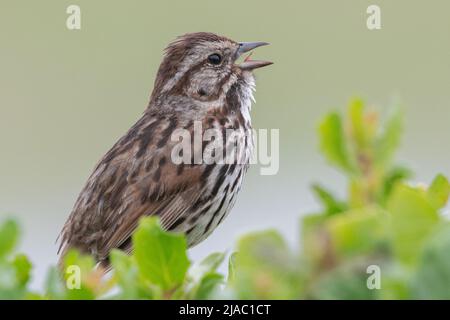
198	80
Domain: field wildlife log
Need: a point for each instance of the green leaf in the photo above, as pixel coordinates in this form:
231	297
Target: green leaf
356	232
127	276
74	257
9	237
432	280
439	191
268	246
212	261
121	262
389	138
208	284
231	267
346	282
77	264
84	293
199	272
333	143
359	195
394	176
161	256
312	241
23	269
395	282
331	204
356	116
265	268
10	289
413	219
54	285
205	277
34	296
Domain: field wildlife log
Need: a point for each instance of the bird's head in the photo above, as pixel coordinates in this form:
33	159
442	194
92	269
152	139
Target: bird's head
203	65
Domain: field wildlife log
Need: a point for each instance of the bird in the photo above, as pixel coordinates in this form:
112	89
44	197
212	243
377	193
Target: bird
199	81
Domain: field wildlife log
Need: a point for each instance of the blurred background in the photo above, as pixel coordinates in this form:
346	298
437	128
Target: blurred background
67	96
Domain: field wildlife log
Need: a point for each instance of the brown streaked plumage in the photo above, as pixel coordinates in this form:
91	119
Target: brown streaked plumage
198	81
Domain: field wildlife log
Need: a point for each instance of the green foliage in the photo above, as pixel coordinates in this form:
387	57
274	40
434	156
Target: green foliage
14	268
387	240
9	236
333	143
161	257
439	191
356	231
433	275
385	221
328	200
265	268
413	220
343	282
205	277
388	139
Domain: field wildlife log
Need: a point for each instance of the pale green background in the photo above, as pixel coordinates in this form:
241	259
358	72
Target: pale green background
66	96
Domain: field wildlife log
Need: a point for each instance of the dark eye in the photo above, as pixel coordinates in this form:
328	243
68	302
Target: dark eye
215	59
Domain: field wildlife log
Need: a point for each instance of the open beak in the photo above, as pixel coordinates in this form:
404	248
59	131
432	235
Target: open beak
249	64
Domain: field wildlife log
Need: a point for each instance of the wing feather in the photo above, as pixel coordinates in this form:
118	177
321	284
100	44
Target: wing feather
135	178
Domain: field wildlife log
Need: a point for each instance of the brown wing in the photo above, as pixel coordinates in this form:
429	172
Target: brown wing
135	178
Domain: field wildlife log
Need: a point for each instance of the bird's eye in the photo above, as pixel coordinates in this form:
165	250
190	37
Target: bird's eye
215	59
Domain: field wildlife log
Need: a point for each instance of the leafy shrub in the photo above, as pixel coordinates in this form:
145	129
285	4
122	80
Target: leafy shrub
386	230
